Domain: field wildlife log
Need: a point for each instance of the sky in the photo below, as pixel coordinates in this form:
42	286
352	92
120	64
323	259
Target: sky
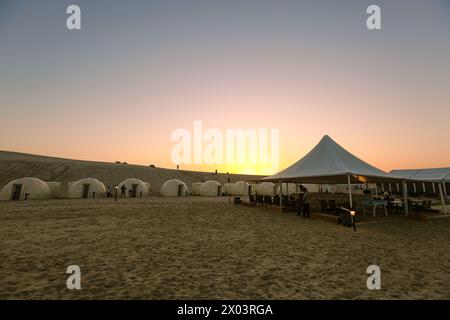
138	70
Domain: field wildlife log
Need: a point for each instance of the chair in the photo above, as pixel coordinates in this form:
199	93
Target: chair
259	199
276	200
323	206
332	206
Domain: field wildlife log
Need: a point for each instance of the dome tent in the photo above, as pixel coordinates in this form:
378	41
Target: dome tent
86	188
227	188
265	189
195	188
238	188
211	188
289	188
138	187
25	189
174	188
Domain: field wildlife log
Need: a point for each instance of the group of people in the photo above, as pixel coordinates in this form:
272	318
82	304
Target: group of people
123	190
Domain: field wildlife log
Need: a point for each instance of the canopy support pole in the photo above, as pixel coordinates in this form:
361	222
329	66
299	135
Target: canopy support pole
434	187
390	188
444	211
281	194
349	191
444	189
443	184
405	198
423	187
245	190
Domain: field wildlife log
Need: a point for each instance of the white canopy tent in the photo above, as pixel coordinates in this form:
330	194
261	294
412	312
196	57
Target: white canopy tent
329	163
433	175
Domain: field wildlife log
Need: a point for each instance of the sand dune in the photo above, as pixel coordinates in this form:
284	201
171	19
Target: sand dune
15	165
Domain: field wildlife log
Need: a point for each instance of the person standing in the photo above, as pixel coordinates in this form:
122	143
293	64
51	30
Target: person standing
300	201
305	201
123	189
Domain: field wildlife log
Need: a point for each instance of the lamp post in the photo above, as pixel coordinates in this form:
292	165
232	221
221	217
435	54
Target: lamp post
352	214
115	195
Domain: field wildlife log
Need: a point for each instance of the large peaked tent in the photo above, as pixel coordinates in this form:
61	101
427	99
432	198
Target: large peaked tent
329	163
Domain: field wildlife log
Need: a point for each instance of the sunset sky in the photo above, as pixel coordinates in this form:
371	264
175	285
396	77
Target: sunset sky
138	70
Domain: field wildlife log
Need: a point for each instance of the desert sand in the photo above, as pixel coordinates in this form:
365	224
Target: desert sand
204	248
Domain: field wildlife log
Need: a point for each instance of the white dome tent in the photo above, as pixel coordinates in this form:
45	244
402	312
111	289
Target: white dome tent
238	188
211	188
265	189
86	188
174	188
137	187
288	189
195	188
25	189
227	188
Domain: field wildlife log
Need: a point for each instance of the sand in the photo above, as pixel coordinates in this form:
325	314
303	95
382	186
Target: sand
202	248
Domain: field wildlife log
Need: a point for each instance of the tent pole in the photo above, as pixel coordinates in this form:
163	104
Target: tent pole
443	184
245	190
382	187
444	211
390	188
349	191
434	187
423	187
414	187
444	189
281	194
376	189
405	198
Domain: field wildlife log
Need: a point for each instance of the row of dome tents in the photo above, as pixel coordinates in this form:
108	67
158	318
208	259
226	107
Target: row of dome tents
29	188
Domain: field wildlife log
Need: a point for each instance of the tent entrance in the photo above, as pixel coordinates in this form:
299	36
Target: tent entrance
16	190
180	190
134	190
86	187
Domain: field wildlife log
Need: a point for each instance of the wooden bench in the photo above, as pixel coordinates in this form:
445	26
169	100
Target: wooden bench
249	204
326	217
278	209
423	217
